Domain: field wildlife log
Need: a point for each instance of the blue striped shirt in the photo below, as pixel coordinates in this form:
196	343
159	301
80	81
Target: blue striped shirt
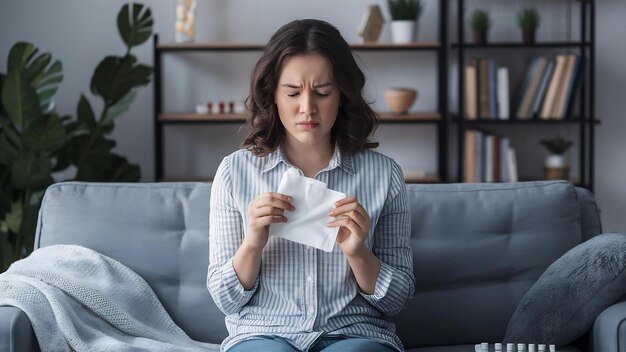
303	293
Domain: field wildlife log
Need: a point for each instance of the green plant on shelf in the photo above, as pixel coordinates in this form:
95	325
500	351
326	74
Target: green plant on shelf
405	10
557	145
480	21
528	19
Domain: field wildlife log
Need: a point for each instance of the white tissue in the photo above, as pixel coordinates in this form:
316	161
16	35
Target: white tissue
313	201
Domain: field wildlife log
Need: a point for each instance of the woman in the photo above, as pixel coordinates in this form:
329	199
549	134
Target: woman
307	112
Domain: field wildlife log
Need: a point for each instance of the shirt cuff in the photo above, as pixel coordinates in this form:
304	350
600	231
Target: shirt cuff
385	276
234	286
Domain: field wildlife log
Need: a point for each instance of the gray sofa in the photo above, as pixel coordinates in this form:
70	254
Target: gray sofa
477	250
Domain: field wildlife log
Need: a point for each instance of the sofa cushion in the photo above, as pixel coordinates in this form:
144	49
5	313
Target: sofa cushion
159	230
568	297
477	250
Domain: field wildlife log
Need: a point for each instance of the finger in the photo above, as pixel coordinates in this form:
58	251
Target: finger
268	220
267	210
347	223
340	202
273	199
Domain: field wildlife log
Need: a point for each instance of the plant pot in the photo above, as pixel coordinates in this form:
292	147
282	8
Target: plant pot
557	173
528	36
555	160
480	37
403	32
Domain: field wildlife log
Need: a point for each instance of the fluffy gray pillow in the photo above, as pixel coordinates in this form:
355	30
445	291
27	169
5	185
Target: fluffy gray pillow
564	303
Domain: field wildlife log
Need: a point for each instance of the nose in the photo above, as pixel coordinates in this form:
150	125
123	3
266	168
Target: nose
307	103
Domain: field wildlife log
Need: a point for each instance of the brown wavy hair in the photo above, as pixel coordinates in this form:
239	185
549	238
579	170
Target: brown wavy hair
355	119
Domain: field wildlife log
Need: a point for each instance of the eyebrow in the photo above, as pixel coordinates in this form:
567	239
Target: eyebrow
321	85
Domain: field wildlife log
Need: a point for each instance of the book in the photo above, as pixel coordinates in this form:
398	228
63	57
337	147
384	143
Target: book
483	84
521	90
470	91
470	157
548	101
492	88
574	82
535	75
503	93
488	158
559	100
504	159
512	162
541	89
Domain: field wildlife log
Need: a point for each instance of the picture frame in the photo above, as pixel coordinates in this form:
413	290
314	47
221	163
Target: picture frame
371	24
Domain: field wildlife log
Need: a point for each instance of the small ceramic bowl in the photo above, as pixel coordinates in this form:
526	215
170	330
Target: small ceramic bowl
400	100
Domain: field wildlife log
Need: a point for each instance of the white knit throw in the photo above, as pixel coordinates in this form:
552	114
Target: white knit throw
80	300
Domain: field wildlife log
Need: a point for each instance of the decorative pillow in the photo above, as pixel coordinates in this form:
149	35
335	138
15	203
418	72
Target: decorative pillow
564	303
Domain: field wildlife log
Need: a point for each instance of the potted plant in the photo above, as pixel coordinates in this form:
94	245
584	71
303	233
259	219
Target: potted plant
556	168
404	17
480	23
36	141
528	21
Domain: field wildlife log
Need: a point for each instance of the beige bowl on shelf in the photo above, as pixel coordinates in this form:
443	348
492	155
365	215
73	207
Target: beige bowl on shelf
400	100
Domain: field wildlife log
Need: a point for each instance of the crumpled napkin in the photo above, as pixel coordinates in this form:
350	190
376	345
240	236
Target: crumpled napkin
313	201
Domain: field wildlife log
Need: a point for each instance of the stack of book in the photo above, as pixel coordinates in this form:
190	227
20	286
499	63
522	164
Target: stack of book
489	158
546	92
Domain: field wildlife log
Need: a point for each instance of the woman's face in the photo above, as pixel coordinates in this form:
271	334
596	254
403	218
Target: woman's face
307	99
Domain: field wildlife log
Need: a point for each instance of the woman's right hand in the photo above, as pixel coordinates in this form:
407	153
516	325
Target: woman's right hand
267	208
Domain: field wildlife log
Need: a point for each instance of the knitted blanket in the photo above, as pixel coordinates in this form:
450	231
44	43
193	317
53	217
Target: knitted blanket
80	300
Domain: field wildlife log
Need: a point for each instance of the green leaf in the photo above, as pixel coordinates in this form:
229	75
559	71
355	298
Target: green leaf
46	135
123	171
85	114
33	70
31	171
13	220
118	108
115	77
9	131
19	55
48	85
8	151
136	27
19	100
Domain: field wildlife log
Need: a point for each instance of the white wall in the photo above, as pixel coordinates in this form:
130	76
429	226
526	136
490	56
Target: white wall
81	33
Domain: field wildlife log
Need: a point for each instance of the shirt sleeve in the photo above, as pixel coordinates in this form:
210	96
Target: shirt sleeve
225	237
396	283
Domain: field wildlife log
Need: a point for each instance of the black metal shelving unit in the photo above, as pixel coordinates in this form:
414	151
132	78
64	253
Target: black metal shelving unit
438	118
585	118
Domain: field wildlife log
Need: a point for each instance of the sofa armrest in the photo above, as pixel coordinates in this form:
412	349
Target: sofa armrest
16	333
609	329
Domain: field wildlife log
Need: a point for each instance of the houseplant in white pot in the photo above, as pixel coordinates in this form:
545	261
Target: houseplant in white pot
404	17
556	167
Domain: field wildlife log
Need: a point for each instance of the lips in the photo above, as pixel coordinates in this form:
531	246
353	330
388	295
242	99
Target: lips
308	124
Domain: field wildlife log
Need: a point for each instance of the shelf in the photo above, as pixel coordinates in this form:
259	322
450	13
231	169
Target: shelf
523	122
520	45
385	117
413	117
260	47
202	118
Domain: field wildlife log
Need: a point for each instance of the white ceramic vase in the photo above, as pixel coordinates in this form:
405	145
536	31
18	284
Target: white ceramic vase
403	32
555	160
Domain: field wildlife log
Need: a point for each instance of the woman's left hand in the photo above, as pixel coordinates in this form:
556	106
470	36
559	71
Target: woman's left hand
354	225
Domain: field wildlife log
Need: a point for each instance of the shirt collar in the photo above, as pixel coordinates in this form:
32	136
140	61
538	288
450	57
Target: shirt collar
344	161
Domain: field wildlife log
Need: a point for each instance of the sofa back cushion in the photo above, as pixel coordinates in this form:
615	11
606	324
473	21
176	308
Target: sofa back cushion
159	230
477	249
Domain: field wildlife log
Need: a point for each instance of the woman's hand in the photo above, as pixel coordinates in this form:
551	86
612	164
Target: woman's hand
354	223
267	208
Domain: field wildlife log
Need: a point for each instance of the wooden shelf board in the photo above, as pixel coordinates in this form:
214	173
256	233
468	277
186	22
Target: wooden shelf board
421	116
260	47
203	118
520	45
424	117
529	121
